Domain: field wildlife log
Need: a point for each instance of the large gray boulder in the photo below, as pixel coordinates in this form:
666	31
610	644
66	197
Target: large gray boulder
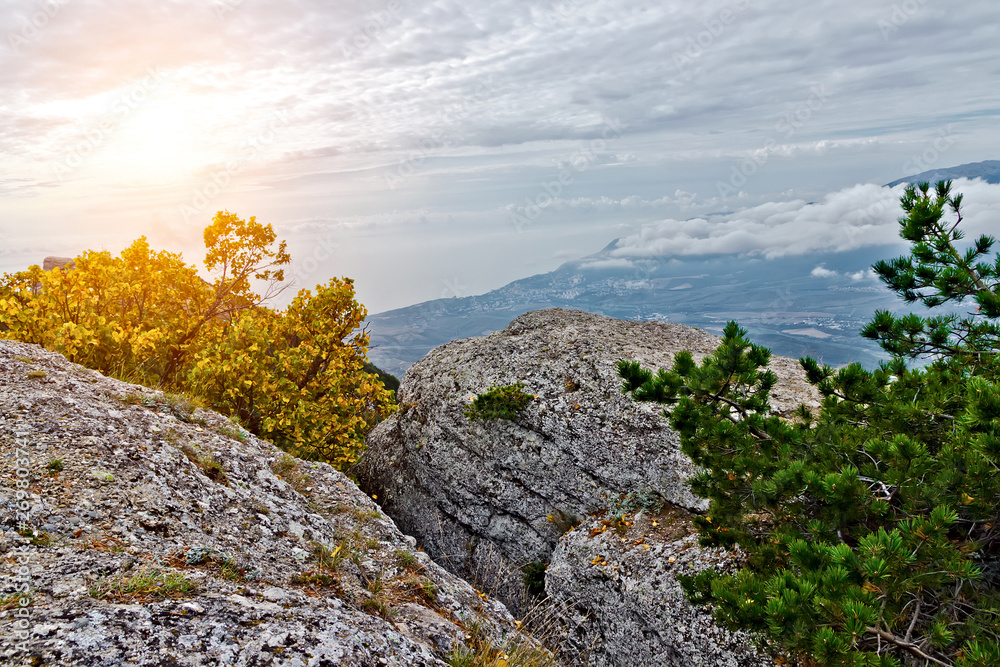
148	532
486	498
615	584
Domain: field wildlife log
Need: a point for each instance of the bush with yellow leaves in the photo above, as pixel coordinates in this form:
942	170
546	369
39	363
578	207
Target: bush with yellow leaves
295	376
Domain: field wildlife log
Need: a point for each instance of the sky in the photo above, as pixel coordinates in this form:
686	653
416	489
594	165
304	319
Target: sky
435	148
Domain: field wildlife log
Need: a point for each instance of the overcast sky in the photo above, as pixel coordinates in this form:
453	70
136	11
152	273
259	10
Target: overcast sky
430	149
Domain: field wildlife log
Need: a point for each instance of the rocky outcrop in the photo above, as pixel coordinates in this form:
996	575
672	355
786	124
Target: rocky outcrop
623	605
139	530
488	497
50	263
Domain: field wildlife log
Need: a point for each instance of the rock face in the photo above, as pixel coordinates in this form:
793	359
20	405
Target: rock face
50	263
487	497
140	531
624	605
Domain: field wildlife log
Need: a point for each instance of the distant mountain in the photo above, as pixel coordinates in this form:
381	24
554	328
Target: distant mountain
779	301
782	305
988	170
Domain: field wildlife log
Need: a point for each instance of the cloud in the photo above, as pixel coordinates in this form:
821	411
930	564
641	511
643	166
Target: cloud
823	272
862	215
857	276
863	274
482	103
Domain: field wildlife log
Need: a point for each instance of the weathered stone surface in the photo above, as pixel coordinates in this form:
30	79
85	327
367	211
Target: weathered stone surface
618	584
128	500
487	497
50	263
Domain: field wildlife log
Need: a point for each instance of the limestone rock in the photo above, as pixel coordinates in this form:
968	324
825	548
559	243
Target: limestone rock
154	533
624	605
52	262
487	497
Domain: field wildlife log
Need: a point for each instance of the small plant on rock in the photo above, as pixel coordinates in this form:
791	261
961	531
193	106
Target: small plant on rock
405	559
146	584
284	465
515	649
534	578
183	407
234	432
38	538
327	558
208	464
499	402
286	468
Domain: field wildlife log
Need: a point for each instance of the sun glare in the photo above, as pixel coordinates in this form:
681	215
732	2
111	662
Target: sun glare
159	145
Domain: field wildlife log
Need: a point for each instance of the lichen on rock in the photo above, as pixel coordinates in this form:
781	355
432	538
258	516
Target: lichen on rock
166	534
619	579
488	497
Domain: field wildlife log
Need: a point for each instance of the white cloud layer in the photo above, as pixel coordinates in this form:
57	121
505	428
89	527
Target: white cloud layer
862	215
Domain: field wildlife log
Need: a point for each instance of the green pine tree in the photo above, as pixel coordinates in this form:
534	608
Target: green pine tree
869	529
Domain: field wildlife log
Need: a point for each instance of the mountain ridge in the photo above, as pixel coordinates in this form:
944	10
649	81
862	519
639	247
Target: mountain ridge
812	304
988	170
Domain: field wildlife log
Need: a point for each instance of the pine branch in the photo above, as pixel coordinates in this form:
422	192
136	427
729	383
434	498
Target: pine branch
906	646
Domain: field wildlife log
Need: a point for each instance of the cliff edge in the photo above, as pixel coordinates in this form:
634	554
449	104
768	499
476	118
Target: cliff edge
140	530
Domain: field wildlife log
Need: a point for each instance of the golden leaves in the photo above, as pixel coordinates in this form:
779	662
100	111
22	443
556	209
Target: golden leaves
869	587
145	316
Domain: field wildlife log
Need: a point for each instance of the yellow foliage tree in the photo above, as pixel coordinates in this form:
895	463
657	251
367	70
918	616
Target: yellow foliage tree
125	316
295	376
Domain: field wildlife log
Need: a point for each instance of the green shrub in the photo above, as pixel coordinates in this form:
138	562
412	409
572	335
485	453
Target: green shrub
389	381
499	402
534	578
869	529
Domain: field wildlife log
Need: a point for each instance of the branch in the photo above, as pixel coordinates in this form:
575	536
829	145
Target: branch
754	431
913	622
959	260
912	648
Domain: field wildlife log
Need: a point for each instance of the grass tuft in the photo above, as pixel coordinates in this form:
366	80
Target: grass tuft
147	584
405	559
330	559
208	464
286	468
